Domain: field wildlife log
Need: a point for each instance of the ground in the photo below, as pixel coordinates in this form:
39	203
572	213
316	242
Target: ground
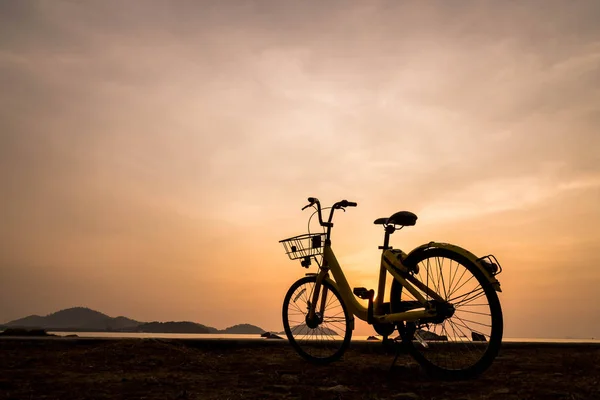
67	368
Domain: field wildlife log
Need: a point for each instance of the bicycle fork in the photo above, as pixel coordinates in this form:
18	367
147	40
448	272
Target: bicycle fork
314	318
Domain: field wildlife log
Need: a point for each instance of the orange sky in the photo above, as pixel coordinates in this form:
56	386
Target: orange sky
152	154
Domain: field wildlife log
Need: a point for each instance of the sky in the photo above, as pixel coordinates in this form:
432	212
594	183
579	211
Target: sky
153	153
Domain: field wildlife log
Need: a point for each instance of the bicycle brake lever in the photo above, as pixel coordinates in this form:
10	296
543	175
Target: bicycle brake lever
306	206
339	207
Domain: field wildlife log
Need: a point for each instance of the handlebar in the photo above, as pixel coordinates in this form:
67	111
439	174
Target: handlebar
339	205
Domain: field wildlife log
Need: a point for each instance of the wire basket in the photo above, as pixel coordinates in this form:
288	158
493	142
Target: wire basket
307	245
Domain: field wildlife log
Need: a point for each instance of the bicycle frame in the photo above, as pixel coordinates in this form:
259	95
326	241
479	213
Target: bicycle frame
330	263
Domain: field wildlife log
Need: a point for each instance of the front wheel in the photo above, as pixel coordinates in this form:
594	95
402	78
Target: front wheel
325	338
466	342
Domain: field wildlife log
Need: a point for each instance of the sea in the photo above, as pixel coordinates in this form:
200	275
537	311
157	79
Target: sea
216	336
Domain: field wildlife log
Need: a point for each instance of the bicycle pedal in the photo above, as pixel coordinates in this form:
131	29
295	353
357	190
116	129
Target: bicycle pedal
363	293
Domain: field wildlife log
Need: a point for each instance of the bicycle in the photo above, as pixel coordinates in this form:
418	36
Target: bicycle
443	301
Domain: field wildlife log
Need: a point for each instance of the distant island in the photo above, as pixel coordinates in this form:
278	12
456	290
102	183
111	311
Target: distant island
82	319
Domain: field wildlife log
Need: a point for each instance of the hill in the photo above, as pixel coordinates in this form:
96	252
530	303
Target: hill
243	329
76	318
85	319
173	327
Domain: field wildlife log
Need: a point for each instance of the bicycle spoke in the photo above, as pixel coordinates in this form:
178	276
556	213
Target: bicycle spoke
452	276
469	296
474	322
461	341
323	340
329	301
443	282
298	308
438	287
467	281
474	312
469	328
429	274
459	279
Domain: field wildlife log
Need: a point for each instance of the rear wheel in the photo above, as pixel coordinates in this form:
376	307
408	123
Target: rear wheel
465	343
325	338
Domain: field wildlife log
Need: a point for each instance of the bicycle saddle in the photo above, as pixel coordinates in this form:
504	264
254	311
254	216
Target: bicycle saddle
404	218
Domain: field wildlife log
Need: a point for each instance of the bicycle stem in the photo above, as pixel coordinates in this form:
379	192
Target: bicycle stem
327	224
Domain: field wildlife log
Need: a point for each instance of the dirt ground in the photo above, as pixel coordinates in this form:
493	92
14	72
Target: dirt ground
62	368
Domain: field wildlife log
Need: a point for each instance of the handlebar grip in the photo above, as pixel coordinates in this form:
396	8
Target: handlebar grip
346	203
311	202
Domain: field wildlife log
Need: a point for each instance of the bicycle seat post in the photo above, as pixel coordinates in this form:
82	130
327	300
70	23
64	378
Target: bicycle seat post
389	229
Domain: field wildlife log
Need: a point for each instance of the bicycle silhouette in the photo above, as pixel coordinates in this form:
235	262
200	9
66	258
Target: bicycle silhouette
442	302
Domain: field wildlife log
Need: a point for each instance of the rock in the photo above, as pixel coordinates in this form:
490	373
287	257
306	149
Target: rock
372	338
275	337
337	389
269	335
287	378
502	391
24	332
279	388
478	337
427	335
405	396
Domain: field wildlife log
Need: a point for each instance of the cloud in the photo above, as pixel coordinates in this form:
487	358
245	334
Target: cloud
489	197
151	131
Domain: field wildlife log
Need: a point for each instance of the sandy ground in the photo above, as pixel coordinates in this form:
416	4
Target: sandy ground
61	368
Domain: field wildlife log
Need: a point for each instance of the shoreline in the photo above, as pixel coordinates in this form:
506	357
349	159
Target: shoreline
258	342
